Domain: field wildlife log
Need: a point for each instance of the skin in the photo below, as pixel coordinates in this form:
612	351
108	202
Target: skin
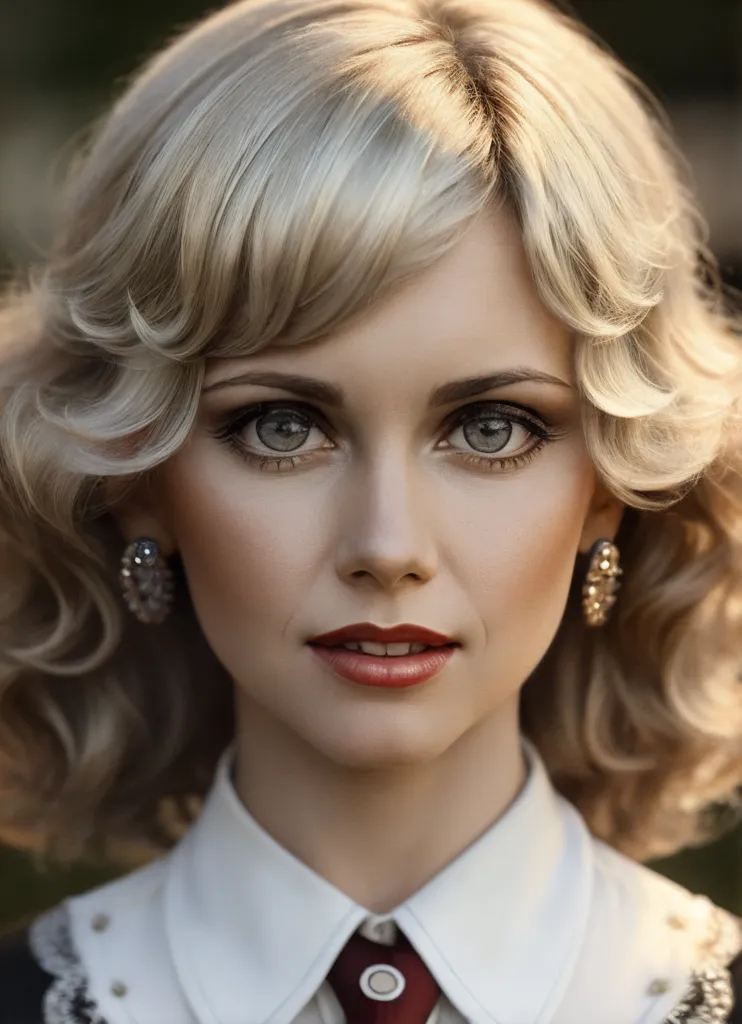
387	522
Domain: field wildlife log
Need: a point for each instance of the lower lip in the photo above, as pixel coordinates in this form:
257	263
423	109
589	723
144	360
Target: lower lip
392	671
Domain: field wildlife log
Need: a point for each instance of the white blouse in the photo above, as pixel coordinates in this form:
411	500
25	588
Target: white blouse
535	923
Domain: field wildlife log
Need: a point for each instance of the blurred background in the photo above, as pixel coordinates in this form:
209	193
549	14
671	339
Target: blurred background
62	61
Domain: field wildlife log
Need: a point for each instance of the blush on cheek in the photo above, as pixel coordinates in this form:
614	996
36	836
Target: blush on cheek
521	556
249	554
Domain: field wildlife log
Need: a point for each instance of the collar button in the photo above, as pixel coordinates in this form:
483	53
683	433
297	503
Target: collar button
382	982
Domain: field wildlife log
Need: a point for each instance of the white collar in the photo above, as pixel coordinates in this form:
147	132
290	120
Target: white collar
535	923
275	927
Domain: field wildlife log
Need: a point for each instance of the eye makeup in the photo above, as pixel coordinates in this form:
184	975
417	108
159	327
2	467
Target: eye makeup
272	436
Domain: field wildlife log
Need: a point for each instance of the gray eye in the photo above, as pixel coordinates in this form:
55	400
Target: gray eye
488	434
283	430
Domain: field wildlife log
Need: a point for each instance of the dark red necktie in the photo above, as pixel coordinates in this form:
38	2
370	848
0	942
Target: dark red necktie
377	984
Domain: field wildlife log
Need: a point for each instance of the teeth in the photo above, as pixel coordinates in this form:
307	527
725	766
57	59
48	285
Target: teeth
402	648
369	647
380	650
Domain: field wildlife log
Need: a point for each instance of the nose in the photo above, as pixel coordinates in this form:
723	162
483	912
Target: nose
385	529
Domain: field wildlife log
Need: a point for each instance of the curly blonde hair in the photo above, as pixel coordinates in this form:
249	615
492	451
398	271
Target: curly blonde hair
270	175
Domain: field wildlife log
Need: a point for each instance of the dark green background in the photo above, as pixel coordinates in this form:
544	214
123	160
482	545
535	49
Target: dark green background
62	60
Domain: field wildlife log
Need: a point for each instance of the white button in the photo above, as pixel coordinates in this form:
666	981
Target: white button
382	982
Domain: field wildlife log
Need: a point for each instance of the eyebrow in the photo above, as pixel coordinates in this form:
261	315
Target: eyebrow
331	395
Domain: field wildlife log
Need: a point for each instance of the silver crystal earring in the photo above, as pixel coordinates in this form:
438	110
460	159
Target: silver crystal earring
146	581
599	591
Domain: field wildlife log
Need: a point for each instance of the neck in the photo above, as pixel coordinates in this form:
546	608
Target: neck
377	835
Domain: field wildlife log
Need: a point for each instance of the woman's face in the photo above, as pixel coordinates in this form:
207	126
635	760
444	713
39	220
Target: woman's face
413	497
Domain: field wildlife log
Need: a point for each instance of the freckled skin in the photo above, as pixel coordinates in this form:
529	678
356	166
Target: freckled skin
390	525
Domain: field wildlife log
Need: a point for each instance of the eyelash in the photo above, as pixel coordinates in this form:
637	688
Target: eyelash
232	426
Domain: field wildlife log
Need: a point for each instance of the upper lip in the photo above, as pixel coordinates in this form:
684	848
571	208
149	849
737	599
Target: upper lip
403	633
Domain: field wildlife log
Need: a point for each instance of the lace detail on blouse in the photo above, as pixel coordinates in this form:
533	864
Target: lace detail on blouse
66	1000
710	996
709	1000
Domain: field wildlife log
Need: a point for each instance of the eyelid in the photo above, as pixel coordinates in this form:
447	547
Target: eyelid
513	410
244	414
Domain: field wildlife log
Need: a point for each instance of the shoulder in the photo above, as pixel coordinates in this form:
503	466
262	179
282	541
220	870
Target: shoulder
45	964
676	955
42	979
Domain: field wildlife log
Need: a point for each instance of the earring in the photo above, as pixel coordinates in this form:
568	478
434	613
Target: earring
601	584
146	581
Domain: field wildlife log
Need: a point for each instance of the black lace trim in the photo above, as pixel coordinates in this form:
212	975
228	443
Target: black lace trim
67	1000
710	999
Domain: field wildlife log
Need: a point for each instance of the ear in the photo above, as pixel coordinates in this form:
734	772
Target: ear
133	504
603	518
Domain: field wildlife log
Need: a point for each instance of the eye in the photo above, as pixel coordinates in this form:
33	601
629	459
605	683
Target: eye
282	430
499	436
272	435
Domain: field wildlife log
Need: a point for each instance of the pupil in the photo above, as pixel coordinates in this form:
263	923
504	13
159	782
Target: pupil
490	435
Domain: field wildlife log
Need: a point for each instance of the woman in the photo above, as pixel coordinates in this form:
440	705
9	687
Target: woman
378	347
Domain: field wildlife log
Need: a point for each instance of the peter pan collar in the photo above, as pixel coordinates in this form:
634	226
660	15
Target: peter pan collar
251	925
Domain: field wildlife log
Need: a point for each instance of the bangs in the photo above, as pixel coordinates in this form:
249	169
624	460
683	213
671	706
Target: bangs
286	164
287	202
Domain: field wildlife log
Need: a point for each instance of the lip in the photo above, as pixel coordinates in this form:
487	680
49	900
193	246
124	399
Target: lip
390	672
404	633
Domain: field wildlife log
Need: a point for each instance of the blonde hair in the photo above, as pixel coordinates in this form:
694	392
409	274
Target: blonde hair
272	174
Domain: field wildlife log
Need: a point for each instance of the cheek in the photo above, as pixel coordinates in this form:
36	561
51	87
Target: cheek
248	548
519	543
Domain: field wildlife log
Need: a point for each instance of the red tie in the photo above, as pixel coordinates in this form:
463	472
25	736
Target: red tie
378	984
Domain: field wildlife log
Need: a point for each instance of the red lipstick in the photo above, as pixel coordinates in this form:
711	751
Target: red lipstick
389	670
382	635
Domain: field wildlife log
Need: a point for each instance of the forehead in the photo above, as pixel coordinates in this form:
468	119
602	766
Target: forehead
477	309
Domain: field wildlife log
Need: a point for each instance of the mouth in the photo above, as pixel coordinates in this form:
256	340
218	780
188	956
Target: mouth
385	656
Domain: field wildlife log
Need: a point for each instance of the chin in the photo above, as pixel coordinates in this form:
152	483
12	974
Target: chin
368	748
